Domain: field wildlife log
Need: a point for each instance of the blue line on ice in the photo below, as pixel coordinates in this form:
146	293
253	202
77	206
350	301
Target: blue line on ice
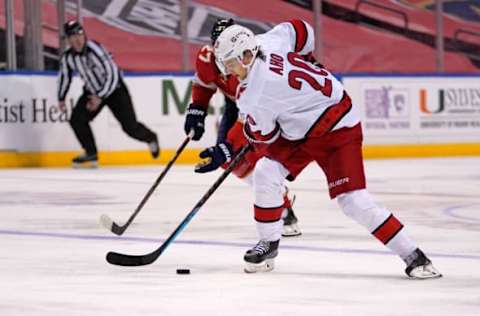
220	243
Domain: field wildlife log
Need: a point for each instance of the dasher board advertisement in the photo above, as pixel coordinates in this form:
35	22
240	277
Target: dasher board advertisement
417	109
30	119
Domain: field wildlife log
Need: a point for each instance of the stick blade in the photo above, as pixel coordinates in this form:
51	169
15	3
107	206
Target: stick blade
109	224
120	259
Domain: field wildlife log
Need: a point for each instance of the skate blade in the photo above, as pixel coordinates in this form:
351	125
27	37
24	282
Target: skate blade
291	230
85	165
264	266
425	272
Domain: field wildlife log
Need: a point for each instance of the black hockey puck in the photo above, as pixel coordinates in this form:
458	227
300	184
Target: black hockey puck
183	271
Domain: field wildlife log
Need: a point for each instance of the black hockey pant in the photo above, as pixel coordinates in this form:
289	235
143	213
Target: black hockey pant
120	103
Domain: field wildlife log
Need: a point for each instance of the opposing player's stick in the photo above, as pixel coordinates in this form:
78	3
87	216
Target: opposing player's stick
119	230
141	260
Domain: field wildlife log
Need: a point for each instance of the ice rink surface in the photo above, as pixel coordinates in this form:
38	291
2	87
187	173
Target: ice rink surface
52	248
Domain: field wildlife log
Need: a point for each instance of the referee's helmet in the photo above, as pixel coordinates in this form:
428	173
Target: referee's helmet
73	27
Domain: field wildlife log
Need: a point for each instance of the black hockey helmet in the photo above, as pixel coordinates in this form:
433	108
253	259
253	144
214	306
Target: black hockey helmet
72	27
219	27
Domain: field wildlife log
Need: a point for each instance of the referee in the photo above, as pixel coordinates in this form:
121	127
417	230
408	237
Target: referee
103	85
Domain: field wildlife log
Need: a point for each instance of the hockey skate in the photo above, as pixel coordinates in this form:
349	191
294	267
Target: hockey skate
290	226
420	267
154	148
261	257
85	161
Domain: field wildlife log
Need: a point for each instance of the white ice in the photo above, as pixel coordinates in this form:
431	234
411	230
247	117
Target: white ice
52	248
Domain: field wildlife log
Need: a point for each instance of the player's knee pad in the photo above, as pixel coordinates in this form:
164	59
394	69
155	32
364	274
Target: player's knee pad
268	178
360	206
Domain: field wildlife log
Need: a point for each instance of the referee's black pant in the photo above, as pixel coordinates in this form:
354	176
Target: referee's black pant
120	103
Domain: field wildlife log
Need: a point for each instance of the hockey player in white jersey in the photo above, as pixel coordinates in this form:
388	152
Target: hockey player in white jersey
301	113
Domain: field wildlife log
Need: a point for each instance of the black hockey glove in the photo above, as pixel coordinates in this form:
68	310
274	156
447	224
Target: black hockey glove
195	120
218	155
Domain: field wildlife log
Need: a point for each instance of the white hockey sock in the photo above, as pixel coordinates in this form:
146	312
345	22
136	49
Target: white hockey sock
269	188
359	206
402	244
270	231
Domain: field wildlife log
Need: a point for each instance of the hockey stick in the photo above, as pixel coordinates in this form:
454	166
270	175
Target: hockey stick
119	230
141	260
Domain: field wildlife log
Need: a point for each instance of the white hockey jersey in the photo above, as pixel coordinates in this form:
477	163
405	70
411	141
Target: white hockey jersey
285	94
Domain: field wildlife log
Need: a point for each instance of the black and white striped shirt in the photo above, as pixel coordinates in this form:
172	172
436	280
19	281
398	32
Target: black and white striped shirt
95	66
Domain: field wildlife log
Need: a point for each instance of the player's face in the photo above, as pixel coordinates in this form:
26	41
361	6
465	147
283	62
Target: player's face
238	68
77	41
234	67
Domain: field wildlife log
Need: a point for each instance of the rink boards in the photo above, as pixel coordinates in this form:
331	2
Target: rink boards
402	116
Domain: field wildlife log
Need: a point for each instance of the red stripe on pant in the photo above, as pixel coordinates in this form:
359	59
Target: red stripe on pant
267	214
388	229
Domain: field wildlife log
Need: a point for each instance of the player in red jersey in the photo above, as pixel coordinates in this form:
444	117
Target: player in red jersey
230	138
